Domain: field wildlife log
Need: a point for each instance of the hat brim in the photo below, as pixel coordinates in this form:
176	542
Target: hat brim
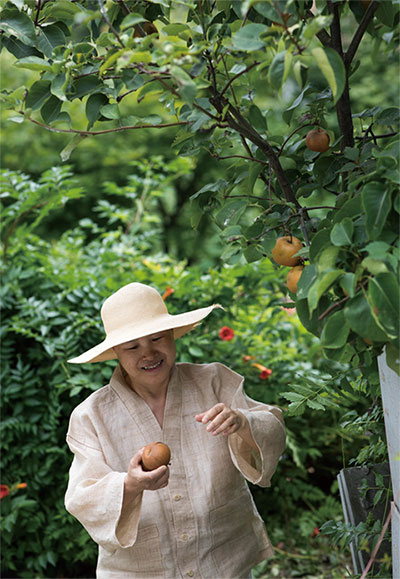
180	323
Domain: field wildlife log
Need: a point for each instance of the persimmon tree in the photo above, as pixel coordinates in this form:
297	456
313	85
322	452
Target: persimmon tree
211	65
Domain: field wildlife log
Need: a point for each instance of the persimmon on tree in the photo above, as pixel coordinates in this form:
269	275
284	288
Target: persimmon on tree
211	63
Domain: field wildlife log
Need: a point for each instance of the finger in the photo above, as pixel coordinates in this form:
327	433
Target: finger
158	473
224	415
226	424
213	412
199	417
136	460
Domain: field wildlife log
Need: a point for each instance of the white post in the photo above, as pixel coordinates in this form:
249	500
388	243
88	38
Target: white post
390	387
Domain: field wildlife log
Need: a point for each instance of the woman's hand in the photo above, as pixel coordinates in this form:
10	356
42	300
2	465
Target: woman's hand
223	420
137	480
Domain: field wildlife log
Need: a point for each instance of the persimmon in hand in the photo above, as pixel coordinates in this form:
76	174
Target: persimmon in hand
154	455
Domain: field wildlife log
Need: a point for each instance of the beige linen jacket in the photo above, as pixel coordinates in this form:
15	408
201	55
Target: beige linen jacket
204	524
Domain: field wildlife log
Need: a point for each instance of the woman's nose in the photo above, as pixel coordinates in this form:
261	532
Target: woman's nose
149	349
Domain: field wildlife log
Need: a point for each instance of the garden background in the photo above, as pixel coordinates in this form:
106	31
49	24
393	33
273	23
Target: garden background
192	204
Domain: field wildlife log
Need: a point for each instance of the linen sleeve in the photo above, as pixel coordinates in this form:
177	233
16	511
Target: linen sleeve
267	428
95	492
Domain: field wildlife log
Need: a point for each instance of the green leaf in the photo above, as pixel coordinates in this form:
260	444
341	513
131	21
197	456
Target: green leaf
327	258
18	48
342	232
132	19
94	104
377	203
390	116
58	86
256	118
230	213
61	9
18	24
320	286
348	283
386	13
393	358
247	38
49	38
309	320
253	253
87	85
75	141
187	86
111	111
306	280
51	109
374	266
384	293
277	70
34	63
332	67
38	94
335	332
319	241
358	314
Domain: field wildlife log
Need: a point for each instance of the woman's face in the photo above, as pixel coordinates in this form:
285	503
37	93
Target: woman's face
148	361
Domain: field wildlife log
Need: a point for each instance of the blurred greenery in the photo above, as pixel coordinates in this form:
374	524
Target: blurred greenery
119	210
51	294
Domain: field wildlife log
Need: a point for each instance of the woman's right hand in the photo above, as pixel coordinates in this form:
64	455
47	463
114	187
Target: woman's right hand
138	480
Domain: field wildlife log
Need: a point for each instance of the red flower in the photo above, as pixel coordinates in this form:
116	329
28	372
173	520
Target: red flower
265	372
226	333
4	491
315	532
21	486
167	292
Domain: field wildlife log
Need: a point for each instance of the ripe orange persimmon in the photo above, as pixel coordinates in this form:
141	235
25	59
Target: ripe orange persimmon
317	140
154	455
293	277
285	248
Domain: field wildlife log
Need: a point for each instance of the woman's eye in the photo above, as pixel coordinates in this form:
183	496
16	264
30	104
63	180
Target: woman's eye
156	339
133	348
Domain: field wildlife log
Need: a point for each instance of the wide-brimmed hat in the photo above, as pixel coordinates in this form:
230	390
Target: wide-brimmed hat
134	311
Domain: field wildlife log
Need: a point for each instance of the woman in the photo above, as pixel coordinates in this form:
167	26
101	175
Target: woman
195	517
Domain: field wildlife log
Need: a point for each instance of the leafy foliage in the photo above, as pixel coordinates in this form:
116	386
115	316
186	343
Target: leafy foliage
50	297
208	63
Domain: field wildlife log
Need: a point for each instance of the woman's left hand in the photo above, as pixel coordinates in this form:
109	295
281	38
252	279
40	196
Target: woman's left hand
221	419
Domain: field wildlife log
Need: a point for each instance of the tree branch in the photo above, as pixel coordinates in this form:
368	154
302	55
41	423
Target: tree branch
228	84
359	33
239	157
322	35
111	27
38	8
105	131
333	307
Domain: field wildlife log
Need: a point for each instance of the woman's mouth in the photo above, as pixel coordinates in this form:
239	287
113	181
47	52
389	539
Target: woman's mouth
152	367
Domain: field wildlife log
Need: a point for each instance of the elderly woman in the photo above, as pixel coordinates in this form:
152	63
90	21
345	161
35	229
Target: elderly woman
195	517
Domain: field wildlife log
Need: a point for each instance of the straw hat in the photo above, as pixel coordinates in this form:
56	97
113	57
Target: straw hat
134	311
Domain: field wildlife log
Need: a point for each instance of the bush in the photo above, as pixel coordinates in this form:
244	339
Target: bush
51	295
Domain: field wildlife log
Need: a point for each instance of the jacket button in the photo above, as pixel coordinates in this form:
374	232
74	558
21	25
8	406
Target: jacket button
177	498
190	573
184	537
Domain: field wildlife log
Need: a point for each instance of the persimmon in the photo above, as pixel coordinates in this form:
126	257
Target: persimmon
293	277
154	455
317	140
284	249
